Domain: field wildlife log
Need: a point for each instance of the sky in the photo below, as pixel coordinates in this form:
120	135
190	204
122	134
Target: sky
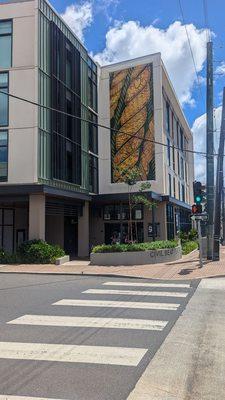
114	30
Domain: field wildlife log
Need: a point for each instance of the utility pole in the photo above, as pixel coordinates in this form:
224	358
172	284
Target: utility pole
219	187
209	151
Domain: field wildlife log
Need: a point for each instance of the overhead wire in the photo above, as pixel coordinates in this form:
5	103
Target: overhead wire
191	51
130	134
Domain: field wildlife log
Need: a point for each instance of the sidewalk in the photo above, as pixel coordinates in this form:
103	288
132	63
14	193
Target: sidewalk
190	364
186	268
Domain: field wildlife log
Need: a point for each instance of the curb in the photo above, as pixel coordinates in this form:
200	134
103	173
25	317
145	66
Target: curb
110	276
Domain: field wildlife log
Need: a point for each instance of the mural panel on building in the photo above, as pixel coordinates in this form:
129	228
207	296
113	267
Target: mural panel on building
132	113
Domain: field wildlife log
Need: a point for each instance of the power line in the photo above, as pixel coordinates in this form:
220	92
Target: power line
191	51
130	134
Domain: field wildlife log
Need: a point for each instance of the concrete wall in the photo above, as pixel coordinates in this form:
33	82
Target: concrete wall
189	159
37	217
137	258
105	185
23	117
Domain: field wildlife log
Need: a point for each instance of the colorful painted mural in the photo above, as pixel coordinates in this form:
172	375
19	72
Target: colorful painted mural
132	113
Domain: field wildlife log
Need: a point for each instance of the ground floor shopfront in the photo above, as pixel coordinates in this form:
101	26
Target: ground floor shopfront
110	219
78	222
58	219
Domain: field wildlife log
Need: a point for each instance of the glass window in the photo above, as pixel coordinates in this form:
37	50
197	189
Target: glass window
4	99
137	212
3	156
5	44
168	152
93	133
93	174
170	185
167	118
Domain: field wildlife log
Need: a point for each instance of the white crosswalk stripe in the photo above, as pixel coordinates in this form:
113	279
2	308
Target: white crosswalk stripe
135	293
152	284
118	304
123	356
90	322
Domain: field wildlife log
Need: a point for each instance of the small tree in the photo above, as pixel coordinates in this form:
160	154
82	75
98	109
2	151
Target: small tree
131	177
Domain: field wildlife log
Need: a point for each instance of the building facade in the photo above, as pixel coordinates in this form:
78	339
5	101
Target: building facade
49	163
60	176
149	132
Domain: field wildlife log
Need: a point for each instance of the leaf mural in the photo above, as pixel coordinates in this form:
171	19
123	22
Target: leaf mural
132	112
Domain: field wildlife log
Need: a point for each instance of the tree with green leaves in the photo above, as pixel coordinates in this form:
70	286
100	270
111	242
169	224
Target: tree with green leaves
131	177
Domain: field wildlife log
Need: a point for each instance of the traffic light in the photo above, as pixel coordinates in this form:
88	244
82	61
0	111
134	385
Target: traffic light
196	209
198	192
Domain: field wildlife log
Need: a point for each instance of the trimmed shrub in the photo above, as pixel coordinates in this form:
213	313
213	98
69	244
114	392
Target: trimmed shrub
188	247
39	252
118	248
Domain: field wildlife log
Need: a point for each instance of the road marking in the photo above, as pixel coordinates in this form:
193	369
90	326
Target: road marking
72	353
135	293
90	322
141	284
9	397
118	304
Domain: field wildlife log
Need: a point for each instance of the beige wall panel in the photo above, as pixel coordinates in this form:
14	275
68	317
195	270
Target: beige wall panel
37	217
22	84
23	42
21	156
17	10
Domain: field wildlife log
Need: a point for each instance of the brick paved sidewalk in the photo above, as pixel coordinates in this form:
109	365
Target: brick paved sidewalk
187	268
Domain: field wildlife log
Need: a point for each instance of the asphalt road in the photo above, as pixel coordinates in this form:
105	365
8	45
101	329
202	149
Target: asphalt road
97	354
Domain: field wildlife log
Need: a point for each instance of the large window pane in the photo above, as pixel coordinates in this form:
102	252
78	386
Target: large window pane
5	27
3	108
3	155
5	51
3	99
5	44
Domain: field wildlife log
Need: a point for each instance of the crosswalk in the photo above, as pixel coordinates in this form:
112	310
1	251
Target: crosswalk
149	317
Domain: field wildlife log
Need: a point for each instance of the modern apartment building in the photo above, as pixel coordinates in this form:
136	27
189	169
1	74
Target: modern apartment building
49	161
149	132
60	176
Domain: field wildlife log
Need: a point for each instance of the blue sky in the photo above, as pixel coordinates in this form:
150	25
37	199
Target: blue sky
160	13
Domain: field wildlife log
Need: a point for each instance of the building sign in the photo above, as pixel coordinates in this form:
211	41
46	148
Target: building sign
132	112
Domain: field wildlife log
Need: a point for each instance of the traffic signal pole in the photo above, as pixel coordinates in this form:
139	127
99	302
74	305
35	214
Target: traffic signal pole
209	151
219	187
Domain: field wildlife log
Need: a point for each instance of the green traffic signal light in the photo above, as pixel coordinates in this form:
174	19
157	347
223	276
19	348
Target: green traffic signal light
198	198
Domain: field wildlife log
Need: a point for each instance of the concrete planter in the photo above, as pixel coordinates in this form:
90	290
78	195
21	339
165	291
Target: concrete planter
62	260
137	257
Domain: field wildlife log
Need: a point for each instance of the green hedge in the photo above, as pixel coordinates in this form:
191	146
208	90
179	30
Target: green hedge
119	248
33	252
188	247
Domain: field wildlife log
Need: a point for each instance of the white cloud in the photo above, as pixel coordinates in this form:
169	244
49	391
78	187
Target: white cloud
78	17
221	68
131	39
199	133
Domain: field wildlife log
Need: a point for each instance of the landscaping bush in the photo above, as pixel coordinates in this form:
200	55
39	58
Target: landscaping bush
188	247
190	236
118	248
39	252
